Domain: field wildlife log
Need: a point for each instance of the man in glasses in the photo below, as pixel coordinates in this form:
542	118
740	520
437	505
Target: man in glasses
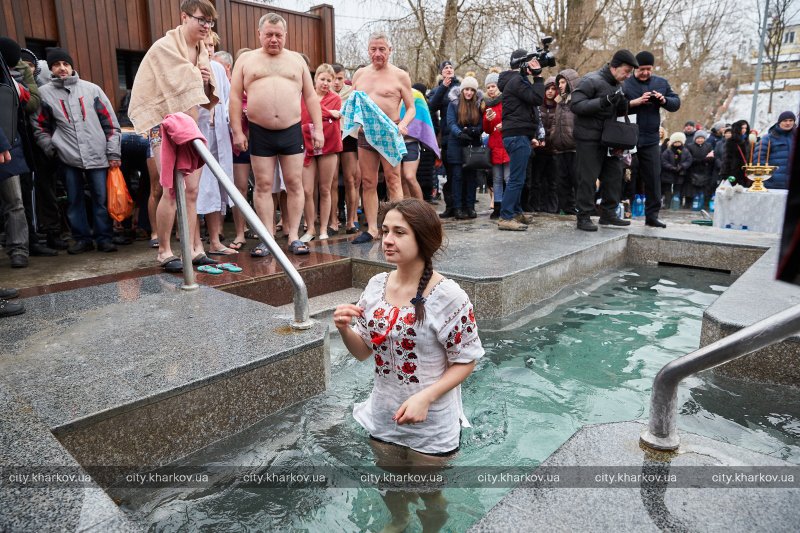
175	76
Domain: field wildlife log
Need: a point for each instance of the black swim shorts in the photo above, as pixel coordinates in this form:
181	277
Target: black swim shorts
269	143
349	144
413	152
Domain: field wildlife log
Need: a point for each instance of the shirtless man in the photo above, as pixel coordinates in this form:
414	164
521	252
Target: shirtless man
387	86
270	76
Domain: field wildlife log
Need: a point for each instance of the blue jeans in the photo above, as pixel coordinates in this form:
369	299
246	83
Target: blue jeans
500	175
463	187
76	212
519	150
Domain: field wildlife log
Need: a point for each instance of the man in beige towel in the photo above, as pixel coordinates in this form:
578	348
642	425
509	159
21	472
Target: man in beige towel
175	76
274	79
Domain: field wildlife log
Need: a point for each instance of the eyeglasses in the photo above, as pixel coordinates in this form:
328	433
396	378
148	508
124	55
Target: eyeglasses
204	22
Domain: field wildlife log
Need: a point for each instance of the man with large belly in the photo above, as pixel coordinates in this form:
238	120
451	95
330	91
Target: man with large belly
275	79
387	86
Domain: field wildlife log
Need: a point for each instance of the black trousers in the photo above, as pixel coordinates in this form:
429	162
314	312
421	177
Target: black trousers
43	180
593	164
544	184
567	181
650	174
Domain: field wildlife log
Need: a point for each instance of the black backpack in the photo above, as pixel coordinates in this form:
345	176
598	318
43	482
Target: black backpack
9	104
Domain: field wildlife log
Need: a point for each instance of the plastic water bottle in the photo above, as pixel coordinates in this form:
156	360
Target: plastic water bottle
743	227
638	206
711	203
696	202
676	202
620	211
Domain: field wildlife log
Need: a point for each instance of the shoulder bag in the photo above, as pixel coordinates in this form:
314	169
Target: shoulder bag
476	157
620	135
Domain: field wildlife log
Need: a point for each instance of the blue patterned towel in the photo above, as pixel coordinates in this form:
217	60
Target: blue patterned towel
380	131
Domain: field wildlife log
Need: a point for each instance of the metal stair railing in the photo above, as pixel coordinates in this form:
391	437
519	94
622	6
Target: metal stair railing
301	309
661	433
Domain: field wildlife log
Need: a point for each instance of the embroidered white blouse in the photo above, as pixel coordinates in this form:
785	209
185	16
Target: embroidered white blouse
409	357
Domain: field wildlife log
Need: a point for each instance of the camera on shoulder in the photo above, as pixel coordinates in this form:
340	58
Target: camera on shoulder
520	58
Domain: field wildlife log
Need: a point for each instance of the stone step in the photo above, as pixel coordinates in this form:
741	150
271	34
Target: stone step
325	303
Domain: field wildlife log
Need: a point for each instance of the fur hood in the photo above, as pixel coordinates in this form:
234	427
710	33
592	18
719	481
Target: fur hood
455	92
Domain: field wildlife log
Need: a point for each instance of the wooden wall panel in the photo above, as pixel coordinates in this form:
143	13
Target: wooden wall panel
11	20
39	18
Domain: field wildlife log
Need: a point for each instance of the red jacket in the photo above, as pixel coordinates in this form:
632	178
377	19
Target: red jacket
499	154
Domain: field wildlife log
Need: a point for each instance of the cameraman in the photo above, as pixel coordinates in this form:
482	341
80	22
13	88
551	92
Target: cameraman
598	97
519	126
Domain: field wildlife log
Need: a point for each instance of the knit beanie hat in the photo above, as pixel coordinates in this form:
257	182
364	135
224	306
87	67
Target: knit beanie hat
549	81
55	55
786	115
491	78
469	83
443	64
623	56
700	133
10	51
646	58
30	57
676	137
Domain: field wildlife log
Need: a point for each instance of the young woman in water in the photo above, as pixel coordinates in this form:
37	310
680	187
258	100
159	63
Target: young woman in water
419	328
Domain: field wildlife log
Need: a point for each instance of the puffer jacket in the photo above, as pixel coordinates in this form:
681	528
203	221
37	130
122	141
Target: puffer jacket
437	104
675	164
648	116
597	97
499	154
454	144
547	115
77	123
779	143
520	100
561	138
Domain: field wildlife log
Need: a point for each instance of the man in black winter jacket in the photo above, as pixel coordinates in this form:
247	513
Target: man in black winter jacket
438	103
521	98
598	97
647	95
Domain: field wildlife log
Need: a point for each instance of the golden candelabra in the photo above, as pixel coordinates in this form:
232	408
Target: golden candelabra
758	174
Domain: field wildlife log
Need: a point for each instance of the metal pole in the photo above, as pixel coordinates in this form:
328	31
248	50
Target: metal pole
759	65
301	313
661	433
183	228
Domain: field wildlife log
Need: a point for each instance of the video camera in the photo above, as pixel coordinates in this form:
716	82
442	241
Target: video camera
542	55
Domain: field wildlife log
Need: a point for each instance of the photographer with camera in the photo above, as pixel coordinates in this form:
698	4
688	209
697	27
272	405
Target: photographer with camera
520	125
598	97
648	94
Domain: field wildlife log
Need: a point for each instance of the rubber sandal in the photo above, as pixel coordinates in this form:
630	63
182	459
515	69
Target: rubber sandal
172	264
260	251
298	248
236	245
363	238
307	237
153	243
250	234
209	269
225	251
352	231
230	267
203	259
323	237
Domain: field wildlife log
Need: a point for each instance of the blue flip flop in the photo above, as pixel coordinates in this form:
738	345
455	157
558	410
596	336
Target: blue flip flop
230	267
209	269
298	247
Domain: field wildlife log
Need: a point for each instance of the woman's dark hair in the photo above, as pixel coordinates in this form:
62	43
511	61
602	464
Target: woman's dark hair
427	228
468	110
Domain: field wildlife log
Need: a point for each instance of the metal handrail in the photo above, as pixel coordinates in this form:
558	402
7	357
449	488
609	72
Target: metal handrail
661	433
301	313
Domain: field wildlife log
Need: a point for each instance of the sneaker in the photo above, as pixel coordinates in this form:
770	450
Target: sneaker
106	247
586	224
616	221
523	218
447	213
19	261
80	247
511	225
10	308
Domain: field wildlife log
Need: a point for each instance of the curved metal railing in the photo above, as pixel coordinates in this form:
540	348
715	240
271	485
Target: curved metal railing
661	433
301	313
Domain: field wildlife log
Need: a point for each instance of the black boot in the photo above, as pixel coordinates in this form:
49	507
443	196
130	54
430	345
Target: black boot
55	242
496	213
460	214
585	223
449	212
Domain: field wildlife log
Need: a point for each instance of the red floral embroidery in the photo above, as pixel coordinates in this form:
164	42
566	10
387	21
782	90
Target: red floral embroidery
379	313
408	344
471	315
378	360
457	338
410	319
409	367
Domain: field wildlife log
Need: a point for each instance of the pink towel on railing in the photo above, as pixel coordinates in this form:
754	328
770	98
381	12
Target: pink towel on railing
177	153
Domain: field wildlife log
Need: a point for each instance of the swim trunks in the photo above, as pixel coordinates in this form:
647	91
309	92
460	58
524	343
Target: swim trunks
413	152
362	142
269	143
349	144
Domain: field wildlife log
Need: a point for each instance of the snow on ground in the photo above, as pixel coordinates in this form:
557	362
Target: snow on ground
781	101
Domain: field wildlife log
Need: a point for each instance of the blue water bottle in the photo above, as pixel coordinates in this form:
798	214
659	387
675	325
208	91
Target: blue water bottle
676	202
638	206
696	202
711	203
